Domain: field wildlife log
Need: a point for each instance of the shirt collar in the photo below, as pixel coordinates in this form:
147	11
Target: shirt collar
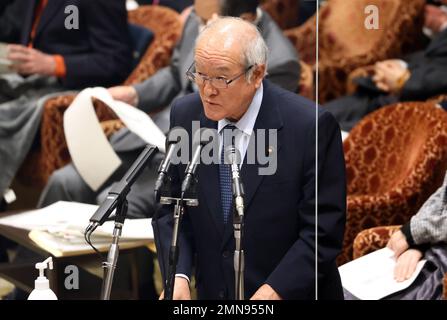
258	16
247	122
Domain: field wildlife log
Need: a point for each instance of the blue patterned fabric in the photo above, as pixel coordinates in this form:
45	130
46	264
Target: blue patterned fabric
226	194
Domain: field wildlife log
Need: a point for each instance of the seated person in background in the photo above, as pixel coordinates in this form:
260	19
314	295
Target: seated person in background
428	226
95	51
54	57
419	76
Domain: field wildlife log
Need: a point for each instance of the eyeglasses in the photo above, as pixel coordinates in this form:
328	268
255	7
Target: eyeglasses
216	82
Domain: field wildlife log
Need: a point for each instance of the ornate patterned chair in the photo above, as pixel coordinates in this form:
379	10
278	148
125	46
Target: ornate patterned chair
52	153
395	158
372	239
346	44
306	86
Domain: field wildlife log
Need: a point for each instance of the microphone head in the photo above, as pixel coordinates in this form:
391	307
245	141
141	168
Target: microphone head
232	155
203	136
173	136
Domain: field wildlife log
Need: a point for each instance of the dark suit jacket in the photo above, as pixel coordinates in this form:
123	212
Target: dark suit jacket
98	53
428	70
428	78
279	239
11	17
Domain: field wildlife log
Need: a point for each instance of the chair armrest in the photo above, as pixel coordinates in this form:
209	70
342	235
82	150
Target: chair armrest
372	239
306	82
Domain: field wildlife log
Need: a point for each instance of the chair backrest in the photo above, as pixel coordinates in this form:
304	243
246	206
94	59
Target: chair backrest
345	31
166	25
344	39
399	146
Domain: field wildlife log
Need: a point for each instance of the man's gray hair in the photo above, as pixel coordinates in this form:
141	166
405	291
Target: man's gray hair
254	51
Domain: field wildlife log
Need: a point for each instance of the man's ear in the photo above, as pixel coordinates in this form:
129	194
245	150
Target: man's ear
258	74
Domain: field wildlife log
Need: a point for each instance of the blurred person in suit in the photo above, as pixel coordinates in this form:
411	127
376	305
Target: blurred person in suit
64	45
418	76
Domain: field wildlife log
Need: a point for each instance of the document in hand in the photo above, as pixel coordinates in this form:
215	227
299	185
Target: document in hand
371	277
91	152
4	62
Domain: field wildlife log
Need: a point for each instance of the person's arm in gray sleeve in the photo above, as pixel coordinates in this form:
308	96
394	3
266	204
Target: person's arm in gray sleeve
158	91
286	75
429	225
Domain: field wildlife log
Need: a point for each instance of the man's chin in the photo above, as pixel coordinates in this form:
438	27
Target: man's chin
213	116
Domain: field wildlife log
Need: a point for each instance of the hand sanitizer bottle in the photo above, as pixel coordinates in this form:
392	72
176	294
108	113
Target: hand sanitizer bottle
42	289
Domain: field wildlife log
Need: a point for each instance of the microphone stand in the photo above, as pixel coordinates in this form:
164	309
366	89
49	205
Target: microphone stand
239	257
117	199
238	223
174	248
110	265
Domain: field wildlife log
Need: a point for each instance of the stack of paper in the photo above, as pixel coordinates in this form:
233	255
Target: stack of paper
371	277
59	229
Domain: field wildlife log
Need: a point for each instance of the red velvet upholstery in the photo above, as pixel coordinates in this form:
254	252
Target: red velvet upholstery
396	158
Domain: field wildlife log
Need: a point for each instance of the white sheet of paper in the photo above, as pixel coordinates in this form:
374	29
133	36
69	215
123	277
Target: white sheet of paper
89	148
135	120
4	62
371	277
91	152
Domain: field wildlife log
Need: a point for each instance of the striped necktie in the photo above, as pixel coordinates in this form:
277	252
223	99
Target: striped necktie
225	181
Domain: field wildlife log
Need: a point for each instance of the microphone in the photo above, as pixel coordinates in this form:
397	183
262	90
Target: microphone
201	138
120	189
234	158
171	143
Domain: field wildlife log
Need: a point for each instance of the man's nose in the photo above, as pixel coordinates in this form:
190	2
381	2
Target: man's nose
208	88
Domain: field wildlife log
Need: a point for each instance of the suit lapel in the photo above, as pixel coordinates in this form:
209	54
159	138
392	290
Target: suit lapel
53	7
268	118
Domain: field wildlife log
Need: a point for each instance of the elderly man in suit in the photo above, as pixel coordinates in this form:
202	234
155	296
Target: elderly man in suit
157	92
229	68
